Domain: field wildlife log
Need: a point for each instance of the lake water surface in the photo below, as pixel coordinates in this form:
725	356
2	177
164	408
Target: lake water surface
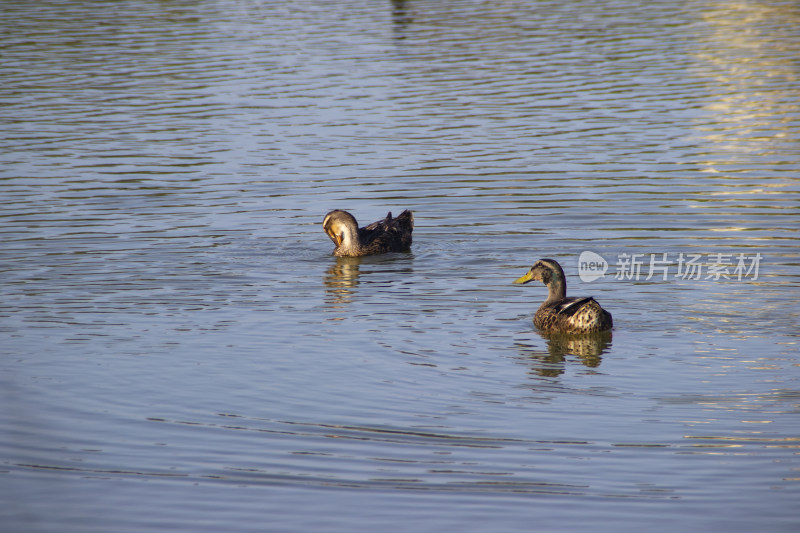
181	352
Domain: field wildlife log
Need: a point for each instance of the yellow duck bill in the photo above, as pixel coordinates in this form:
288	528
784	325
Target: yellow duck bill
527	277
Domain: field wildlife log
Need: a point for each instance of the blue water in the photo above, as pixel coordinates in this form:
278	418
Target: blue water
180	351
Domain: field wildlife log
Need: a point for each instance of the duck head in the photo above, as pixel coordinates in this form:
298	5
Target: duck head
342	228
549	272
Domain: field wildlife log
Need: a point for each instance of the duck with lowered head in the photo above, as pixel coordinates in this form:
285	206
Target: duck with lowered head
387	235
559	314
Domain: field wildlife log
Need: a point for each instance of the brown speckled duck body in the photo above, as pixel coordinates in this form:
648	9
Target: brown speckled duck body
387	235
559	314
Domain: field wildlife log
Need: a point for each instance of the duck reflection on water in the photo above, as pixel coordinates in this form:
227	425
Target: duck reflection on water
587	347
343	277
341	280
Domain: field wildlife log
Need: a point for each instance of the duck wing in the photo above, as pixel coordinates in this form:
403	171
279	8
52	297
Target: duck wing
570	306
392	234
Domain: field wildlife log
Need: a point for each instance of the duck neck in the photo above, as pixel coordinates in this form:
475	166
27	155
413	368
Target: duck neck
350	241
556	288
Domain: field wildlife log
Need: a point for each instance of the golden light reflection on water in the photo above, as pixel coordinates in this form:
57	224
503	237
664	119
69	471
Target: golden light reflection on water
750	72
764	440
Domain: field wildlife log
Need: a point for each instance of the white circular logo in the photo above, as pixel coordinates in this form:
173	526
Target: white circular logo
591	266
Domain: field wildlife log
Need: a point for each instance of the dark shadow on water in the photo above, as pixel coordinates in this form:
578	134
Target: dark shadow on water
400	14
588	348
